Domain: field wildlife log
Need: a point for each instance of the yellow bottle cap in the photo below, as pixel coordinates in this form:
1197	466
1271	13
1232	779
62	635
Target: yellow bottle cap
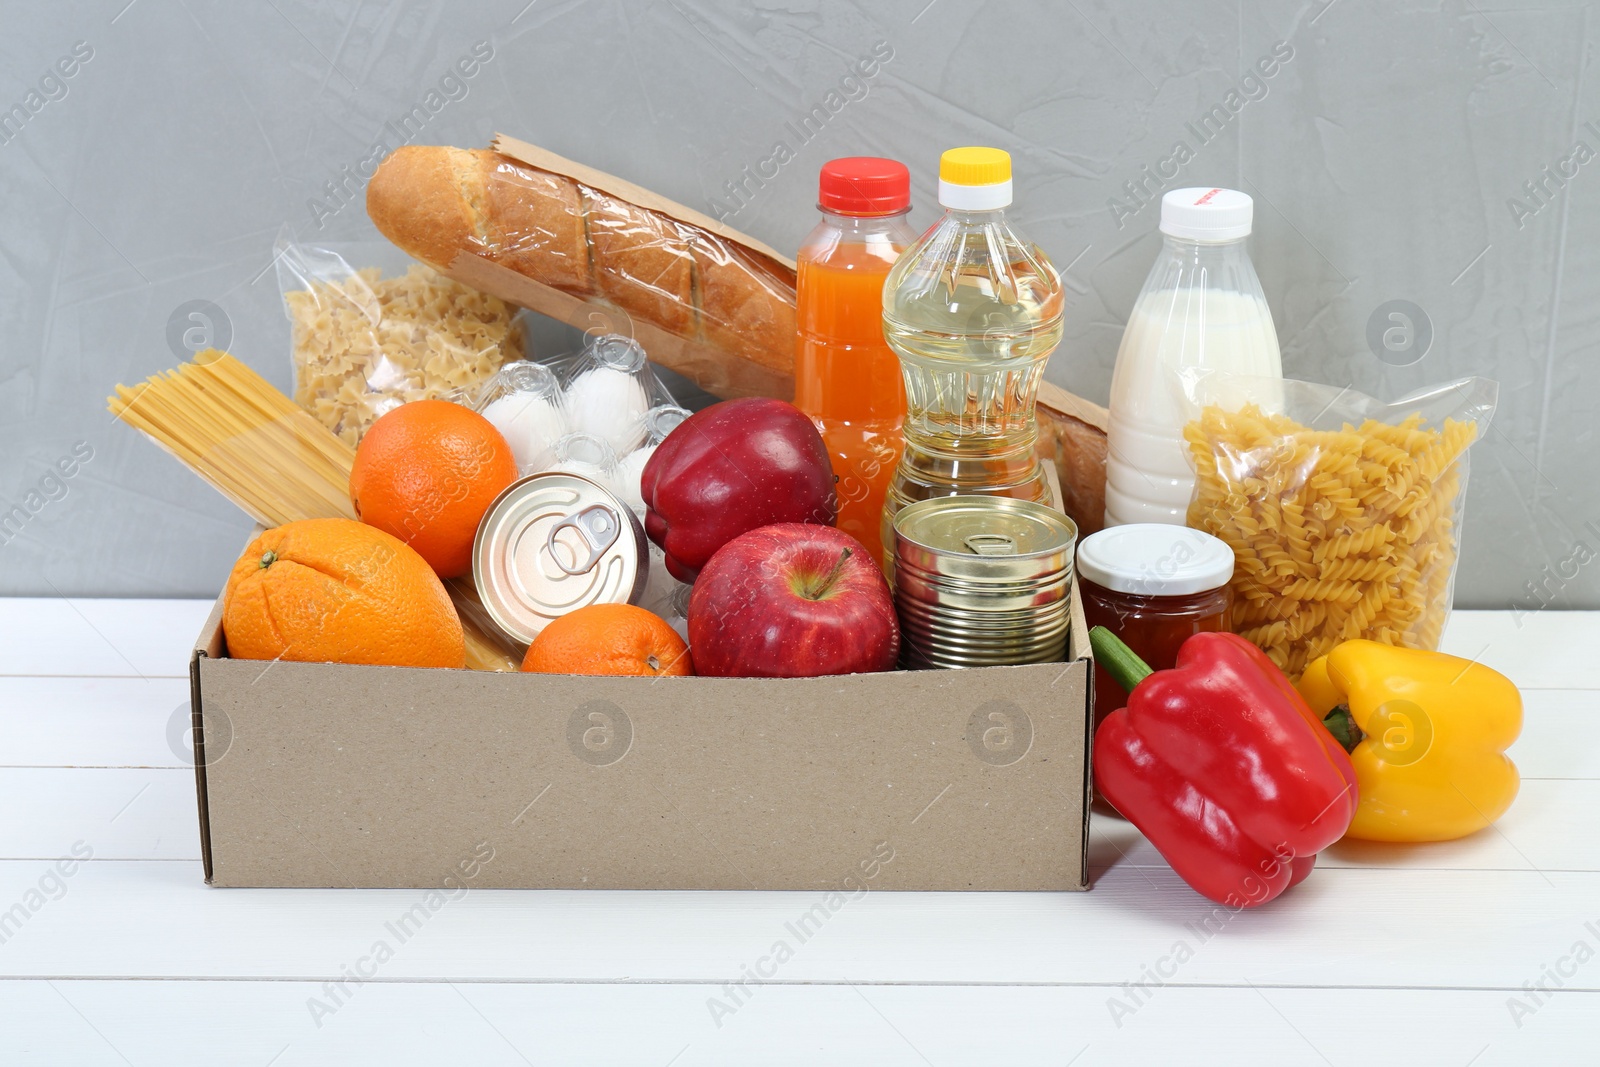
975	166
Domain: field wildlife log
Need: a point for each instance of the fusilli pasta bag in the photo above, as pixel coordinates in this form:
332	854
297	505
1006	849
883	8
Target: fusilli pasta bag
1344	513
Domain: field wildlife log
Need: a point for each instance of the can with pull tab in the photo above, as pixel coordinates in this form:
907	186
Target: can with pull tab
982	581
552	543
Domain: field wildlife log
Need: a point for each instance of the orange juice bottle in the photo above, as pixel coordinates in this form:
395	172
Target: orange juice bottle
846	376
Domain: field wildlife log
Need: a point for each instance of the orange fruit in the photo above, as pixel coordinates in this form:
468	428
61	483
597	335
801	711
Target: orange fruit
609	639
426	472
338	591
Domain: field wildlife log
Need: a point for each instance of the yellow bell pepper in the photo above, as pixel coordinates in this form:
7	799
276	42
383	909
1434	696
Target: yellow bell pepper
1427	733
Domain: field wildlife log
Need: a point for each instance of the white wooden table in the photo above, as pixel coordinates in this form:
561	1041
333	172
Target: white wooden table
1417	955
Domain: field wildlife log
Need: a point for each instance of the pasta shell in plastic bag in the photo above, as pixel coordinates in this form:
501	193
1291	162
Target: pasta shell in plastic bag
363	344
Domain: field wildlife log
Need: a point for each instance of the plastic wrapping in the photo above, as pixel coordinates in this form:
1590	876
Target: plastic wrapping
658	422
609	389
524	402
604	241
600	413
589	456
664	594
364	344
605	393
1344	513
679	277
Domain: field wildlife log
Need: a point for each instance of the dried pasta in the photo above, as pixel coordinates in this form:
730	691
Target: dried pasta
367	344
252	444
1337	533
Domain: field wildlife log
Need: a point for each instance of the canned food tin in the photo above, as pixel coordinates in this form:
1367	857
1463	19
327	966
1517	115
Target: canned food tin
552	543
985	539
982	581
978	653
930	589
1052	624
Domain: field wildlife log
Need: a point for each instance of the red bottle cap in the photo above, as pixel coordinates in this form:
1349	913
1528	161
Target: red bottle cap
864	185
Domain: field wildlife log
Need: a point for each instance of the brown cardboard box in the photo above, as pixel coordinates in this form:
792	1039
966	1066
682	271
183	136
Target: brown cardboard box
331	775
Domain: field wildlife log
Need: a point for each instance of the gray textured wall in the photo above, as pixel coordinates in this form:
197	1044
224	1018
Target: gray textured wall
1387	156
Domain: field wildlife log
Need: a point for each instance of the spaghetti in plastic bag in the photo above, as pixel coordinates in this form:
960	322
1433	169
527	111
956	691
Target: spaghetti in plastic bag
1344	513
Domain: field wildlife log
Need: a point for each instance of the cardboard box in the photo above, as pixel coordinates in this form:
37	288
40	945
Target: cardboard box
313	774
338	775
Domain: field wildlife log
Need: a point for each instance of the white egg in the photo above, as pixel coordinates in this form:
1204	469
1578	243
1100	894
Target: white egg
531	424
664	595
590	471
587	455
629	473
610	404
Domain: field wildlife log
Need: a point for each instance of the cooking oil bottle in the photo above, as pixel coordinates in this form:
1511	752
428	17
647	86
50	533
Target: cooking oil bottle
973	311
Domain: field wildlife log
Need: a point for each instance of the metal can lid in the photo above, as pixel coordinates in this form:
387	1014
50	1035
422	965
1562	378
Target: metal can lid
552	543
1155	559
988	526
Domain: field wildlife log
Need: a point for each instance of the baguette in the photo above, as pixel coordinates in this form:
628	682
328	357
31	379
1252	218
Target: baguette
761	330
437	203
642	262
732	306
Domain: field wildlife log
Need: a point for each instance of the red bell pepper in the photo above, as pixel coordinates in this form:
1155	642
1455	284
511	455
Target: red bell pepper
1223	766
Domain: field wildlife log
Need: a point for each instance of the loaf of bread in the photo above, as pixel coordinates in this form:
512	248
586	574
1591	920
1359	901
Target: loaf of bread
436	203
733	307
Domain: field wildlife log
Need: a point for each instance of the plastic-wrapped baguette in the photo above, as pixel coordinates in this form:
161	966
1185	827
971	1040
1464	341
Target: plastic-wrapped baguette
731	303
437	202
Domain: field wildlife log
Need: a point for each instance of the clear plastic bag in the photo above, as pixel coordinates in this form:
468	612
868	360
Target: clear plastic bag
1344	513
364	344
601	406
605	242
665	596
529	405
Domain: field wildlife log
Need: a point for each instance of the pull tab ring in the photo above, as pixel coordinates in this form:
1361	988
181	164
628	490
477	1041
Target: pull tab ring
991	545
598	526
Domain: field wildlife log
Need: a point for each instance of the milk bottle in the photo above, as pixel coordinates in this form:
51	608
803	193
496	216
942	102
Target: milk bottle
1201	308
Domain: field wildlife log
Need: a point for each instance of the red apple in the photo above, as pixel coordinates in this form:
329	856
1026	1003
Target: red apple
733	467
792	600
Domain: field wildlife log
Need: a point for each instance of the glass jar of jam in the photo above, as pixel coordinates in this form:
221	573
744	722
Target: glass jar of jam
1154	586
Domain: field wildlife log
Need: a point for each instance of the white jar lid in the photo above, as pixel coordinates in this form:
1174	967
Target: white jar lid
1207	214
1153	559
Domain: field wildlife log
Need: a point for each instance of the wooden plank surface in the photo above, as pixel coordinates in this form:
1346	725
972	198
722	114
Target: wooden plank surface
53	636
1412	931
116	1023
131	959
